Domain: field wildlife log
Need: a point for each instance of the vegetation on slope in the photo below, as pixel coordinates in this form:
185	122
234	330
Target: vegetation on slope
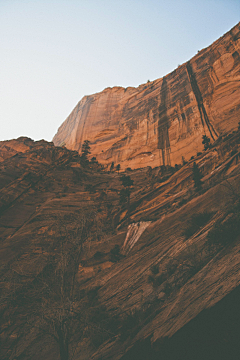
66	287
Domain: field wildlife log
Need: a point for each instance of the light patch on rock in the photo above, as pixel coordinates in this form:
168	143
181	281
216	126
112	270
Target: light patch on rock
134	232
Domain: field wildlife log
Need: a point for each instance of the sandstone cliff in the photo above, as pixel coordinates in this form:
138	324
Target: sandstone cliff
163	120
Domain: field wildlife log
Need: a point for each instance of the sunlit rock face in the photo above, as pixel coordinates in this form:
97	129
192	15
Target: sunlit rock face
164	120
10	148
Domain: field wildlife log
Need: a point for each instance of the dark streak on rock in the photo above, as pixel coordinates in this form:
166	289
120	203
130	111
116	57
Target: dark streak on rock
198	96
163	125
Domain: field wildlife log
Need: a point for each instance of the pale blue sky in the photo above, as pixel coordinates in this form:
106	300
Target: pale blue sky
52	53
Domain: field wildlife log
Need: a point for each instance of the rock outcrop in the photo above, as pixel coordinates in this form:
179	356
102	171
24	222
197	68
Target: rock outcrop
162	121
168	295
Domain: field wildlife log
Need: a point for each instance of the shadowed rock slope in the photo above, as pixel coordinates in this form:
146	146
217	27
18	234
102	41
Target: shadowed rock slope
162	120
155	297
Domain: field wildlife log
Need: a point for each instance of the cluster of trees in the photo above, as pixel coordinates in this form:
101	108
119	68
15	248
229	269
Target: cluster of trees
125	192
127	182
206	142
86	151
118	167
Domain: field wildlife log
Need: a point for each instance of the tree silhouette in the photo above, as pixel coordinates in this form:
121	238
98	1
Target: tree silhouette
183	161
125	193
112	166
206	142
86	150
126	181
197	176
94	160
118	167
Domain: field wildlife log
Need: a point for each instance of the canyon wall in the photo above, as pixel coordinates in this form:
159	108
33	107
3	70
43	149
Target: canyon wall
162	121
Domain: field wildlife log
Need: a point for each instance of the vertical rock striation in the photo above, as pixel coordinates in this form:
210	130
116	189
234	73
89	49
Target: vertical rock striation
202	111
163	120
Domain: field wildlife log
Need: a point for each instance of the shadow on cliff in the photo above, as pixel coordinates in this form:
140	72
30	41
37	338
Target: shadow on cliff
213	335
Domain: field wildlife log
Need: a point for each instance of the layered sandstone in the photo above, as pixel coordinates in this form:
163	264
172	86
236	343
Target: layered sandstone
164	120
44	191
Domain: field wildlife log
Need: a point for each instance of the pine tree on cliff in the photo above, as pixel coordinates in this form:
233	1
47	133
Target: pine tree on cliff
197	177
93	160
125	193
112	166
206	142
126	181
124	196
86	150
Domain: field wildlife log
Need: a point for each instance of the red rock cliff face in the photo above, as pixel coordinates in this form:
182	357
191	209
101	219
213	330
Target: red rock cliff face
163	120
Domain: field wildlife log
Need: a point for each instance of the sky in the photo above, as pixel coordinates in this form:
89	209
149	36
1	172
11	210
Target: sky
52	53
